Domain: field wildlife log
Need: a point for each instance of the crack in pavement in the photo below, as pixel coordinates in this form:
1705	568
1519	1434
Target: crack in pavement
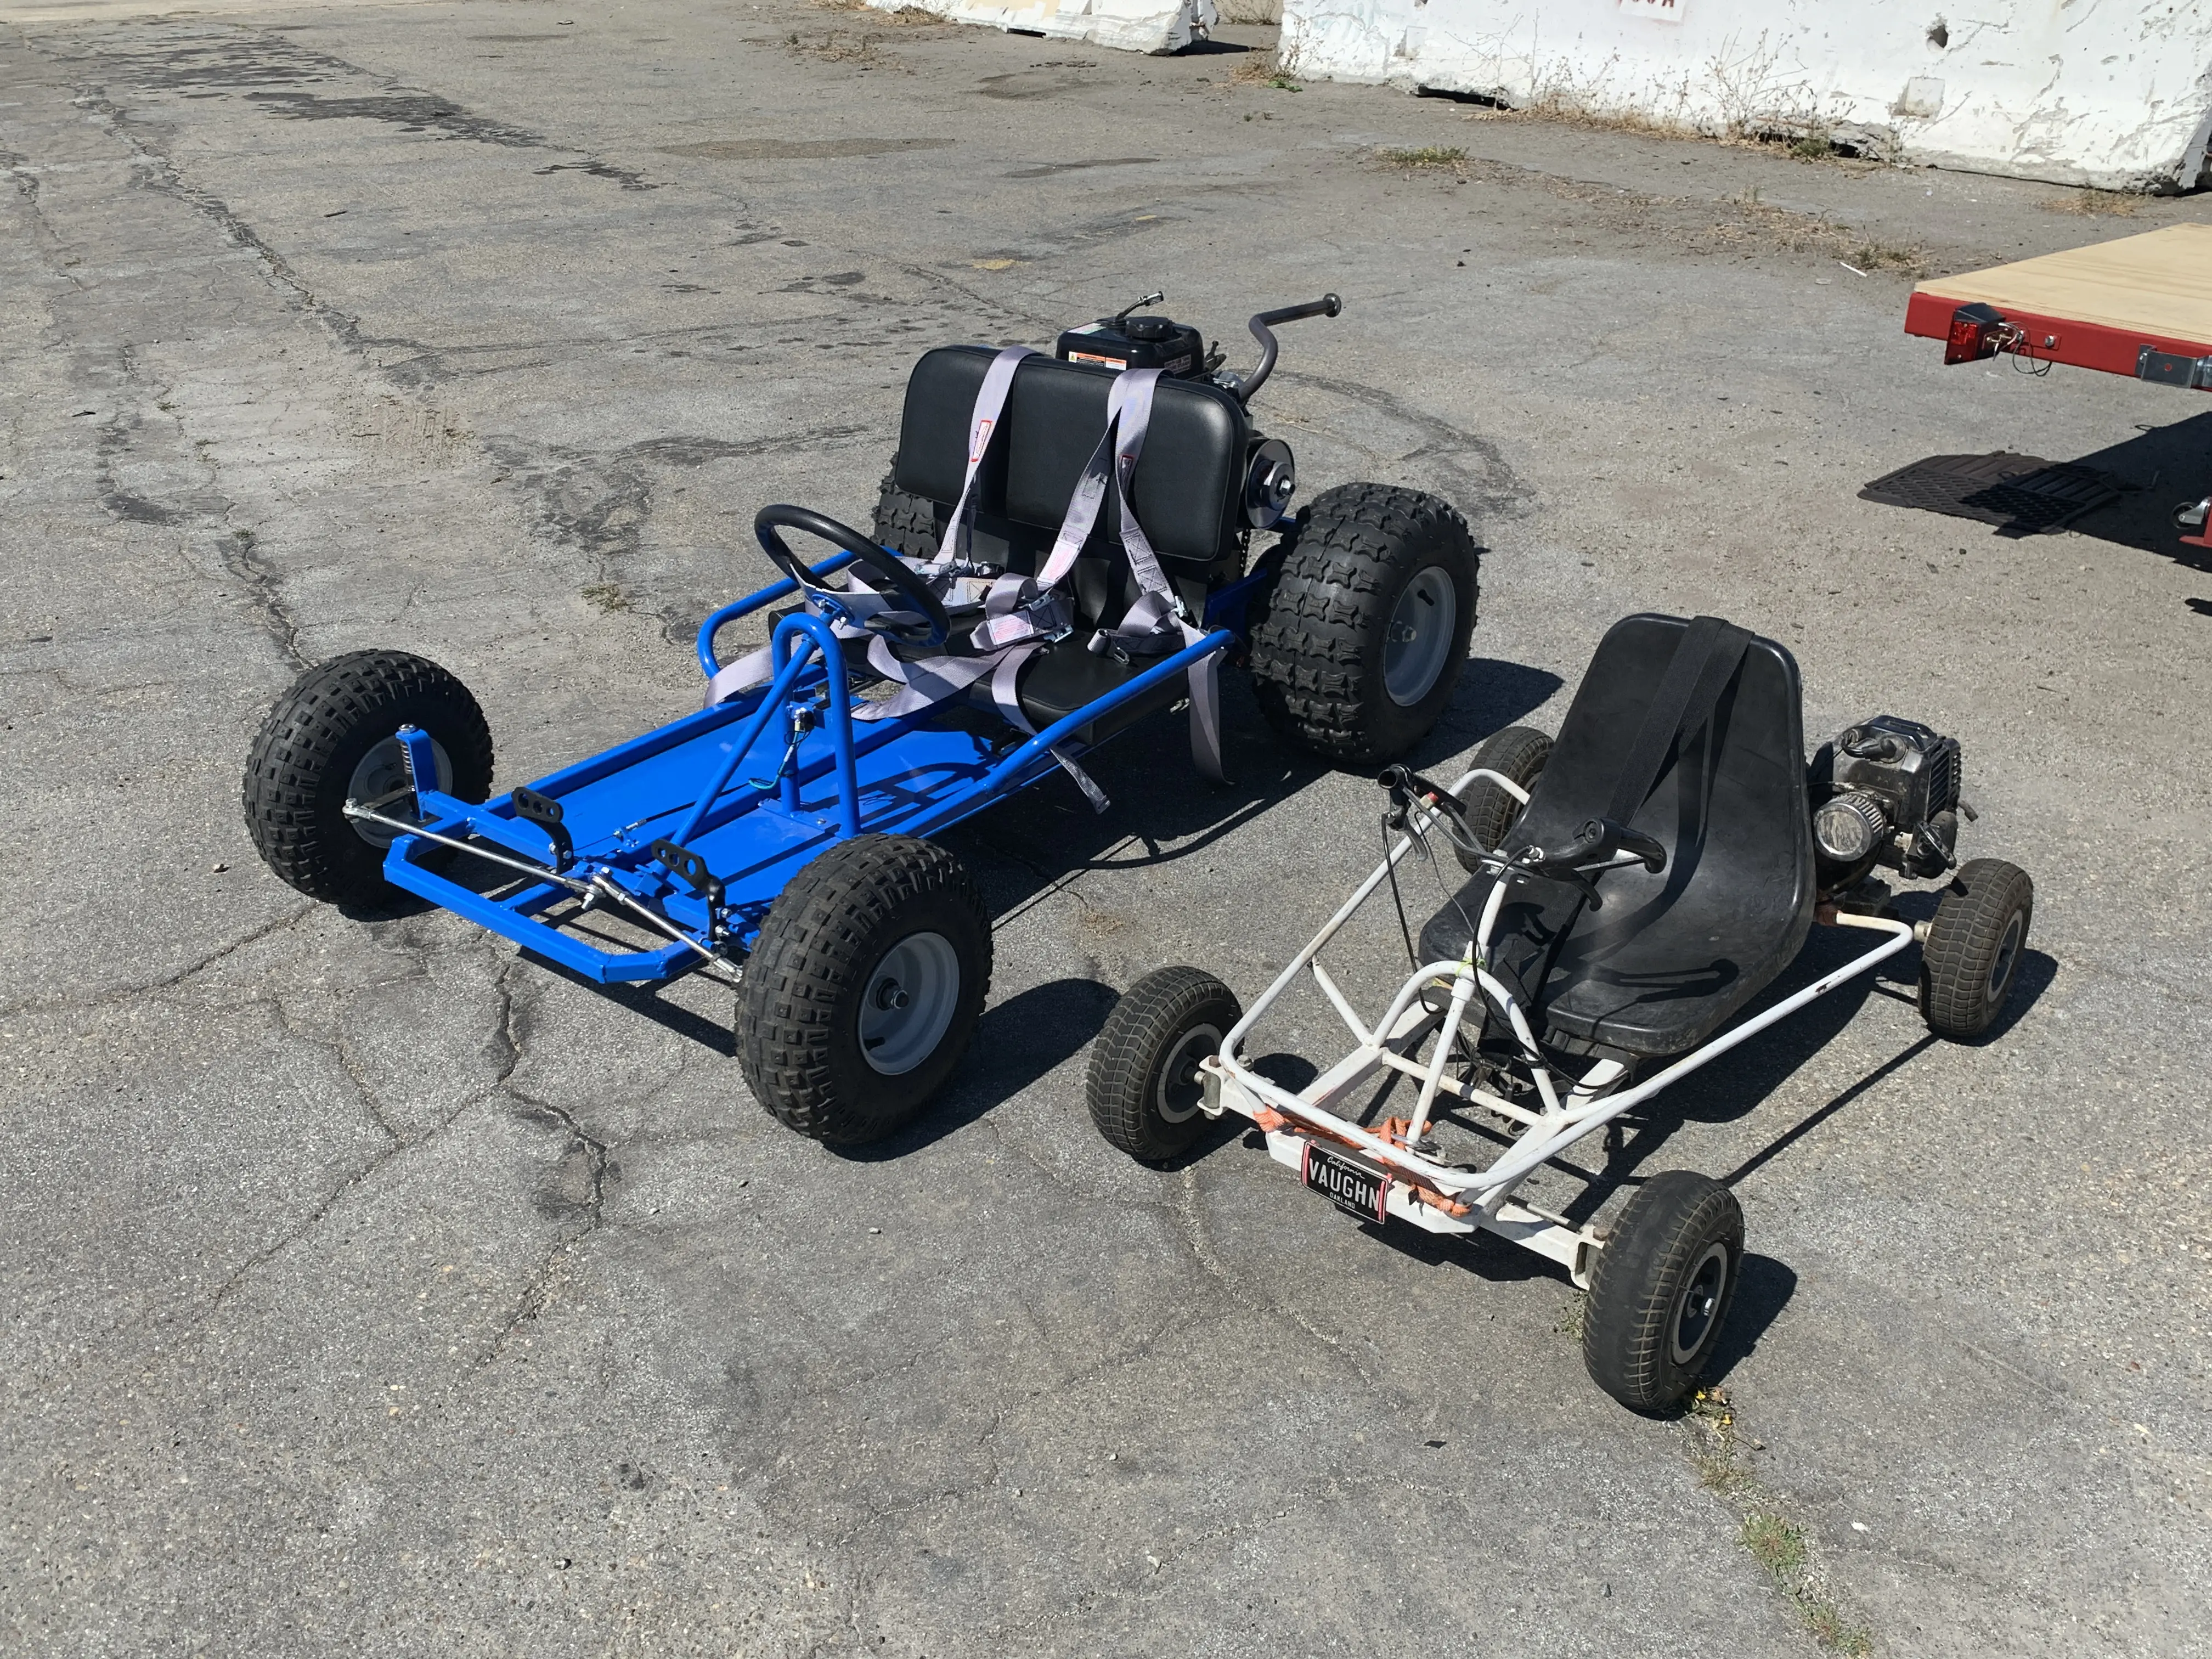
537	1290
506	1041
396	1144
270	73
1194	1233
139	988
164	176
264	591
1477	477
601	505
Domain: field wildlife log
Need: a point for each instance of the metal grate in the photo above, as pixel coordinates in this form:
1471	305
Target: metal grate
2021	494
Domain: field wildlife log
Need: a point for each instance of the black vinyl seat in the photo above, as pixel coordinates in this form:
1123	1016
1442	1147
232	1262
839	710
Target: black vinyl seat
1669	957
1186	491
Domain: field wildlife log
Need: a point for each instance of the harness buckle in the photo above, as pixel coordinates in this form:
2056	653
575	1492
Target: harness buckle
1103	644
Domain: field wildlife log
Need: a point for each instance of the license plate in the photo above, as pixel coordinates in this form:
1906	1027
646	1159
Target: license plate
1354	1186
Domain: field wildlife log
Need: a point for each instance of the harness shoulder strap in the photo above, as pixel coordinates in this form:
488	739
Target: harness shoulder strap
983	422
1704	662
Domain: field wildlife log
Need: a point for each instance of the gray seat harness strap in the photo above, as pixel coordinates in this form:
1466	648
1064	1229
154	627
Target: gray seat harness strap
1024	614
942	573
1027	614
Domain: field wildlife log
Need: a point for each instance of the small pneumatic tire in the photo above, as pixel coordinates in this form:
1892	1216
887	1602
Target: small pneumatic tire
909	524
1518	753
1974	947
1143	1089
1357	644
1660	1290
864	988
332	734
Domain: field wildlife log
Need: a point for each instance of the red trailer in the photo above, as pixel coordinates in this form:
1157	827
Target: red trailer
2139	306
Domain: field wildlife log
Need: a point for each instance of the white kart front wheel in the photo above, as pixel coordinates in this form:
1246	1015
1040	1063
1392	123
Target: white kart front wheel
1144	1090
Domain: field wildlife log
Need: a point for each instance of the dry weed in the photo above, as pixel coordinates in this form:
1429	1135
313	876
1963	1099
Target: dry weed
1740	226
2094	205
1447	158
906	17
1264	68
836	46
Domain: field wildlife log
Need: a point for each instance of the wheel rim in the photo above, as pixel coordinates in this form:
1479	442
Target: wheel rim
1419	635
2007	957
1698	1304
909	1003
383	773
1181	1091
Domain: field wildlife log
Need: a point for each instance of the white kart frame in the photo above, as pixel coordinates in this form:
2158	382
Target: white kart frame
1445	1198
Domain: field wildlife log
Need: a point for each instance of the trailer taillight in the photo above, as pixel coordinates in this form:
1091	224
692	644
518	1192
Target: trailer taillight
1977	331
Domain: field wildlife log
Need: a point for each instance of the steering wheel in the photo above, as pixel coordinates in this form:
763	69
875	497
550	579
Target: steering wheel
880	561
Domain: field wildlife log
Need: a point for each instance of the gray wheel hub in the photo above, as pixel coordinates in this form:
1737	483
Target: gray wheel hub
908	1004
1181	1090
1419	636
1693	1324
380	783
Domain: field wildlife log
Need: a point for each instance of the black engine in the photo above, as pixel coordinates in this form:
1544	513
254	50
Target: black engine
1137	343
1122	341
1884	792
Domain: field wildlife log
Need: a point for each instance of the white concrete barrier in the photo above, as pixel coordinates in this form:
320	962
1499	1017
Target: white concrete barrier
2116	94
1151	26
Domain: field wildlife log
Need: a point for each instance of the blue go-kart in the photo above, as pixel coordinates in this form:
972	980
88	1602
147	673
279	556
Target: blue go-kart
1065	545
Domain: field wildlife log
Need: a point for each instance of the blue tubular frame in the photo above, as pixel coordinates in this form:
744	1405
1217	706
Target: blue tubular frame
1037	752
622	860
753	602
797	641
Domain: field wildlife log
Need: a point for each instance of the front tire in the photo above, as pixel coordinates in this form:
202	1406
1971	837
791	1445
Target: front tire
1661	1288
1358	643
1518	753
864	988
1974	948
332	738
1144	1090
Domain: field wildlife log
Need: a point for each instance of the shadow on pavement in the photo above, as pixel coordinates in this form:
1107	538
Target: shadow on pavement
1041	838
2161	467
1017	1041
2157	470
1763	1289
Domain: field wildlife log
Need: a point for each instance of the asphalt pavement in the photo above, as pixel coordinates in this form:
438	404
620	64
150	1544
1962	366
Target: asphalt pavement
372	1289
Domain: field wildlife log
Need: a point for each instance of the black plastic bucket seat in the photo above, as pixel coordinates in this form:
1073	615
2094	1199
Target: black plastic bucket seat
1668	957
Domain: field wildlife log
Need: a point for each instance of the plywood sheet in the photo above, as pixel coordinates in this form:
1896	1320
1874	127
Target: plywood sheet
2157	283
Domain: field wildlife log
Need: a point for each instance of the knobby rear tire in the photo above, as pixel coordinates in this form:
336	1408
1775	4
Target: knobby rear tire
1320	634
910	524
799	1041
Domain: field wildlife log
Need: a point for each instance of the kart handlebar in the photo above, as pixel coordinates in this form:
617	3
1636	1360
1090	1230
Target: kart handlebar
865	550
1600	841
1262	331
1408	787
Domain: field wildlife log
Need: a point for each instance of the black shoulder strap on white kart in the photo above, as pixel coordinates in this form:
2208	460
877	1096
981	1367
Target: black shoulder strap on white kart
1704	662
